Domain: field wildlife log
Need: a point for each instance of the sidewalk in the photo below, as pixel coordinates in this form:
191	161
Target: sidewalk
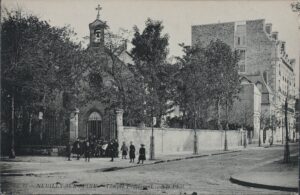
38	165
273	176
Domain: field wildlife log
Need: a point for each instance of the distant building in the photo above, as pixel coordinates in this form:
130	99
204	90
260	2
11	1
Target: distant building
263	61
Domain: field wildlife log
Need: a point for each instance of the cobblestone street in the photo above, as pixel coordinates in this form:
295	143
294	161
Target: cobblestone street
204	175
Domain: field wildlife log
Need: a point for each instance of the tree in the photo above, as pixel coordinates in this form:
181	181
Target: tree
149	54
39	62
192	86
224	78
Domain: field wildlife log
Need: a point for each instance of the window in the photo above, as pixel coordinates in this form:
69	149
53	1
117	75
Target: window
240	34
242	60
242	54
95	79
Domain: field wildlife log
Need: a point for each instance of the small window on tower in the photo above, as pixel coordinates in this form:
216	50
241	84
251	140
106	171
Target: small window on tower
98	33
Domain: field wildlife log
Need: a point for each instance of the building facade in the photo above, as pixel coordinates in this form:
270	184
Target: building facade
263	60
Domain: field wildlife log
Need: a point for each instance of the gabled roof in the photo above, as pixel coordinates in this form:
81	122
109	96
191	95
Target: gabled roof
264	89
98	22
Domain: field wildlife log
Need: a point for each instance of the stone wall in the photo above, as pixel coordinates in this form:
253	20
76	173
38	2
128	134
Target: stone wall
172	140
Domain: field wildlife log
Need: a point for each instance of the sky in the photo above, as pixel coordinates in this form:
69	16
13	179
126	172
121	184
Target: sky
177	16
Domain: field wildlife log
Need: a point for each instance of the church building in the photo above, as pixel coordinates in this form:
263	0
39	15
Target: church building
96	119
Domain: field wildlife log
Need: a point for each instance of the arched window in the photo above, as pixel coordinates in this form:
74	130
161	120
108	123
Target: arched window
94	116
94	125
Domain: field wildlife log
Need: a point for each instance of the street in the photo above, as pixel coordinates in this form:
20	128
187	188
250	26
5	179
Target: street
204	175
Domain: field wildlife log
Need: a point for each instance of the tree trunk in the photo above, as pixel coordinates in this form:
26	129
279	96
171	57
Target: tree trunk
227	127
12	153
219	114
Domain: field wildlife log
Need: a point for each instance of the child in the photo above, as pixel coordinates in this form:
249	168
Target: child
124	150
142	154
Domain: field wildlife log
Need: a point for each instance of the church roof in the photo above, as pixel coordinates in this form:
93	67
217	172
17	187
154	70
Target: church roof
97	22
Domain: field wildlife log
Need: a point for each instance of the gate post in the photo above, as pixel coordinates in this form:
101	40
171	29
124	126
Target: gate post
73	132
120	127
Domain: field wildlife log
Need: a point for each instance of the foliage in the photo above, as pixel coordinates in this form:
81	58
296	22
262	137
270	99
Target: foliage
39	63
206	75
149	54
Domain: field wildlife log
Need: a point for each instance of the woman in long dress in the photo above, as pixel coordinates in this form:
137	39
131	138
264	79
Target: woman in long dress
142	154
131	152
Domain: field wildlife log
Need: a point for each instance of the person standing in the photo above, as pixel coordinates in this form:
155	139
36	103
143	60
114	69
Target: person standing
116	147
124	150
110	150
87	151
142	154
69	151
77	148
131	152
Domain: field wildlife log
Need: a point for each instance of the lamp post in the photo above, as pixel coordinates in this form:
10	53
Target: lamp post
259	138
286	158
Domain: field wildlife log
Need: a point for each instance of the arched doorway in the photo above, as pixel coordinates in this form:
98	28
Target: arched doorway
94	125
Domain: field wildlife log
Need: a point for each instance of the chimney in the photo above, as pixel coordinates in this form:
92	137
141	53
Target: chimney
275	35
268	28
282	49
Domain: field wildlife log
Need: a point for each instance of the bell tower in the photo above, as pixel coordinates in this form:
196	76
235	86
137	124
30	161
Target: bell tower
97	31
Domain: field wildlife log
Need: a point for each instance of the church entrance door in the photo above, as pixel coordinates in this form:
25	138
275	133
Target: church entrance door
94	125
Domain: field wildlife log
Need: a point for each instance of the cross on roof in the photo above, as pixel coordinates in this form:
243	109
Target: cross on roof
98	9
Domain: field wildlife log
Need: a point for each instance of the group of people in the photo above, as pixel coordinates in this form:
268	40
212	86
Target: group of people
80	148
87	148
142	152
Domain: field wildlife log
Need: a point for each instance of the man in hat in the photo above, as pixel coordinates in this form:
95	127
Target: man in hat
77	148
142	154
131	152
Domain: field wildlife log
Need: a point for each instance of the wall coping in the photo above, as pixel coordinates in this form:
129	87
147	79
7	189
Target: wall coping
175	129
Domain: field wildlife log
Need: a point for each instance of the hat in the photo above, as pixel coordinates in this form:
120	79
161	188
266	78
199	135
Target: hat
142	145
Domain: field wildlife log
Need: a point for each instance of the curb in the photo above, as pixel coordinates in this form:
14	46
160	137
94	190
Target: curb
166	161
109	169
265	186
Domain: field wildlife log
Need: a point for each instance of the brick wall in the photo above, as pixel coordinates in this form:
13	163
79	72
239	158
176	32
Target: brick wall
203	34
260	51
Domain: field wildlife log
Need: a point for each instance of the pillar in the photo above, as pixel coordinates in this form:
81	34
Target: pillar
120	127
73	133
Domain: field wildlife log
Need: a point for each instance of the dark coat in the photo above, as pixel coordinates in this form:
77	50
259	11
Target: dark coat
142	154
77	147
131	152
87	149
110	150
115	148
